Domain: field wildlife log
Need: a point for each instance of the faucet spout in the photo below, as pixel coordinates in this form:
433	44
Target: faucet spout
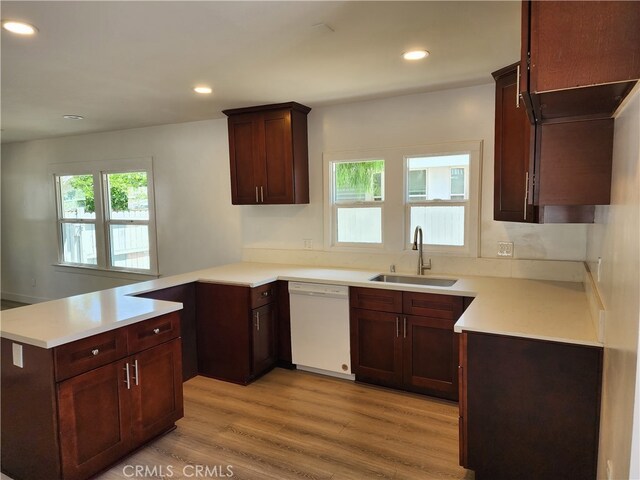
417	245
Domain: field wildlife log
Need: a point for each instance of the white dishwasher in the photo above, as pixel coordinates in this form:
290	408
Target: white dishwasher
320	328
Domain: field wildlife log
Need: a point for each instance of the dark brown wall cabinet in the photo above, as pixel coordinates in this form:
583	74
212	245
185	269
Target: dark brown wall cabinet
578	62
76	409
578	59
547	173
236	331
529	409
405	340
269	154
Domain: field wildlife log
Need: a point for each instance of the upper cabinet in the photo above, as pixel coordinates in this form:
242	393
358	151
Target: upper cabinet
268	154
554	125
514	143
579	59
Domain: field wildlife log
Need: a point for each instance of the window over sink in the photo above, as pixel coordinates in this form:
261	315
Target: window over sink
376	198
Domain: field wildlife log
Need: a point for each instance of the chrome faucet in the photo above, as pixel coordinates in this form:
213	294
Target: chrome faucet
417	245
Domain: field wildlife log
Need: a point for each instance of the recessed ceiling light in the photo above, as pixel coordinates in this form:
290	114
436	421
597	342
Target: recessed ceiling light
19	28
73	117
415	54
202	89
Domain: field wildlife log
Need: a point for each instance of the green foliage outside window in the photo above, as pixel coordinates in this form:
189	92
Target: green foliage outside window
360	177
120	184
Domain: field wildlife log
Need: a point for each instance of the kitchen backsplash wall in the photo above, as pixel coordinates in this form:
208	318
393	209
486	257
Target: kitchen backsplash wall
444	116
406	262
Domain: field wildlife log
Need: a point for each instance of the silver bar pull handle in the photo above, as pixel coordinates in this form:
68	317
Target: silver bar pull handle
397	327
127	378
256	194
405	327
526	193
518	86
258	321
135	371
261	194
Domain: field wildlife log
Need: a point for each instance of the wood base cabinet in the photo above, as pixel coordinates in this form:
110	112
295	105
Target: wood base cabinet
185	294
405	340
91	401
529	409
236	331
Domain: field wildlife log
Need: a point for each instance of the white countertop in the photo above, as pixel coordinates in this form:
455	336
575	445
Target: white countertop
546	310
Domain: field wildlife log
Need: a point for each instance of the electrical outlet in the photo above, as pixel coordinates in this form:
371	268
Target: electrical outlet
609	470
33	282
308	243
505	249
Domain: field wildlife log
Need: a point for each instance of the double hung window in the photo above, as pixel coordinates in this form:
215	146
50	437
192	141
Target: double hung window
437	186
357	193
105	216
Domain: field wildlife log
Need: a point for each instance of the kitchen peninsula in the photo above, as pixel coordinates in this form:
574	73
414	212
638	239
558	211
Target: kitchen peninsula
551	315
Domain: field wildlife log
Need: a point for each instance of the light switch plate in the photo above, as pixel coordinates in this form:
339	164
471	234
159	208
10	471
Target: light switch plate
505	249
18	361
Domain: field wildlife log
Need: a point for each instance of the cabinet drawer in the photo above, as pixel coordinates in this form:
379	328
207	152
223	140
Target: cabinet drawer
83	355
376	299
432	305
153	332
263	295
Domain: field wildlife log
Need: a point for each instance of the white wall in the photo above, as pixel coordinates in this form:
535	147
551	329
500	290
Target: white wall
437	117
197	225
192	175
615	237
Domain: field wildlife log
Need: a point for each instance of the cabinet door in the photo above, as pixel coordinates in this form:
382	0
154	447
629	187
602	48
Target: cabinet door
513	152
277	181
376	346
94	415
244	155
224	329
263	336
431	355
156	388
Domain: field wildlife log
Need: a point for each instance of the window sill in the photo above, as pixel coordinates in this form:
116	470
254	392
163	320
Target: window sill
99	272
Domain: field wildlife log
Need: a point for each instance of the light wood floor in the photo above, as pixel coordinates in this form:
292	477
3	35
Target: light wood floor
292	424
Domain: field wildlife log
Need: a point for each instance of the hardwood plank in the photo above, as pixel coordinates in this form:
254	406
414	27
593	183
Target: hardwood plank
291	424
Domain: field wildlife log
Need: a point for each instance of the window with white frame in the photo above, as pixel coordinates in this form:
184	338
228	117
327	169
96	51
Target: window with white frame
105	215
442	204
357	201
436	187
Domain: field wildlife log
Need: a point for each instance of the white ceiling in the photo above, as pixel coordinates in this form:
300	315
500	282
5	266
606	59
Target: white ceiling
132	64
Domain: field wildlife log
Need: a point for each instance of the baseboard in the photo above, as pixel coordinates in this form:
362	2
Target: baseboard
17	297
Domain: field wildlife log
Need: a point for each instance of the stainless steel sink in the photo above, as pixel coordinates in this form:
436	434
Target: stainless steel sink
429	281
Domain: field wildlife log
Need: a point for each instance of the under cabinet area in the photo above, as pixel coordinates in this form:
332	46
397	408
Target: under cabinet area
236	331
529	409
405	340
579	60
269	154
91	401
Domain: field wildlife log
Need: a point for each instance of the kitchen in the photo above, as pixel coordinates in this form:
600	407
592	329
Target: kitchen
194	157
